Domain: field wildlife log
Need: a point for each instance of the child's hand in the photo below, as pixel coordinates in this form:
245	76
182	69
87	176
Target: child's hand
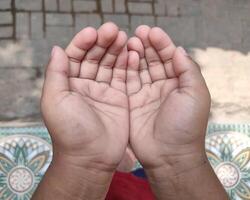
84	101
98	95
169	107
169	102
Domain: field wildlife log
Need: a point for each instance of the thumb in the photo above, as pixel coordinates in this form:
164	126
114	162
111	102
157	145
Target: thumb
187	70
57	73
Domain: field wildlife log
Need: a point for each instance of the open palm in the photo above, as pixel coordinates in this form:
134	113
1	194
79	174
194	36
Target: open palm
167	96
84	102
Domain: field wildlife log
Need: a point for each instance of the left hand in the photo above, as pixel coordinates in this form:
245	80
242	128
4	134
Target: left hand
84	101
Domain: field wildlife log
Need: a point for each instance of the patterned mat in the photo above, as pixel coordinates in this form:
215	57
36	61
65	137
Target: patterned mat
25	154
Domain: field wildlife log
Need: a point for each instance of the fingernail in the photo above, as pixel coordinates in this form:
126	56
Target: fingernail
53	51
183	51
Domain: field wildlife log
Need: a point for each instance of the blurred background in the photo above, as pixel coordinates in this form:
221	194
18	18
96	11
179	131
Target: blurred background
215	32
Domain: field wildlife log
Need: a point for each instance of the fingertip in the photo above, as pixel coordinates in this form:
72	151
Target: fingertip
183	62
131	42
156	28
111	25
121	39
59	60
182	51
180	54
53	51
159	38
123	35
156	31
107	33
57	51
80	44
109	28
89	30
57	72
135	44
85	38
142	30
178	60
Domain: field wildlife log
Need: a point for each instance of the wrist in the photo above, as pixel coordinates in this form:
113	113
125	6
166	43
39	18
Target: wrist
82	172
65	179
177	166
191	177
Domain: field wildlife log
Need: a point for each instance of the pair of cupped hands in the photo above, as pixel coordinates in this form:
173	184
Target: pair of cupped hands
105	92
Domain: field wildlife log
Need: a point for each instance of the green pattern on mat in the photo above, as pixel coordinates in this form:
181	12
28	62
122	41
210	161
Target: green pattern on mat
26	152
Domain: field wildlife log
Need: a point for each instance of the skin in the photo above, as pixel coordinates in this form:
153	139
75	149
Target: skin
151	96
89	92
169	106
168	96
85	107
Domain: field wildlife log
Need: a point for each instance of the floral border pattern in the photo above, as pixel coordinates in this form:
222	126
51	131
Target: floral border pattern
26	152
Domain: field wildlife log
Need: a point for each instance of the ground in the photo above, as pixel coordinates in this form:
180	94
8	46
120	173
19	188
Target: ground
216	35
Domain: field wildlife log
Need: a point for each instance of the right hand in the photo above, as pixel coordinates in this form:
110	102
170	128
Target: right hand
169	107
169	102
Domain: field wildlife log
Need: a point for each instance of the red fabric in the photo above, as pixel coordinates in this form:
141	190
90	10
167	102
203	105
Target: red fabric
126	186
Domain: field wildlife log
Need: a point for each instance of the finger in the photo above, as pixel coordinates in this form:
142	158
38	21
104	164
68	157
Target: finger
57	73
119	71
133	79
135	44
78	47
164	47
186	70
155	65
105	70
106	34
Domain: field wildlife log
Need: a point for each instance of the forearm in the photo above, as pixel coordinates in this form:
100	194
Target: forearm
70	182
188	179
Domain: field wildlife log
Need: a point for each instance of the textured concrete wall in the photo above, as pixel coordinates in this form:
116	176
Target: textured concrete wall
29	28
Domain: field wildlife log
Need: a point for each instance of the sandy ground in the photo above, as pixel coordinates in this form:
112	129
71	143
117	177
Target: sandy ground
228	77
